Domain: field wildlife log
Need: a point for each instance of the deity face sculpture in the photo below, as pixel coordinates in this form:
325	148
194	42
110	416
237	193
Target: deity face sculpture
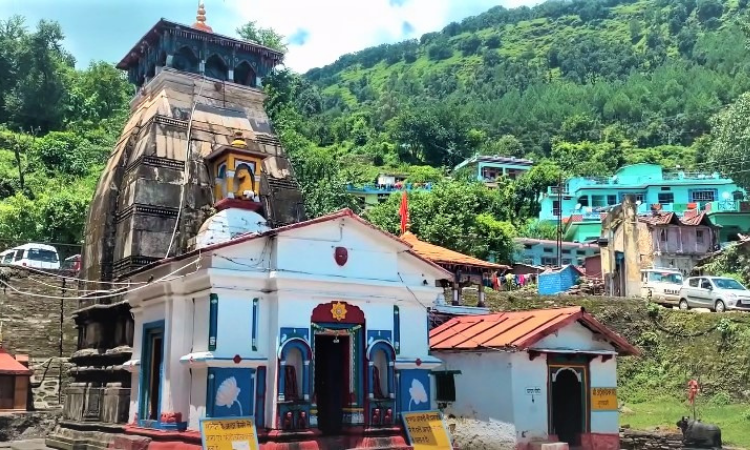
244	180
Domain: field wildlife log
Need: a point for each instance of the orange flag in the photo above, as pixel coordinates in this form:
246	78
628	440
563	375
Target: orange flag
404	212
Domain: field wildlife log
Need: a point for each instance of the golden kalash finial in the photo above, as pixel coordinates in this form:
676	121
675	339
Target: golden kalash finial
201	19
239	141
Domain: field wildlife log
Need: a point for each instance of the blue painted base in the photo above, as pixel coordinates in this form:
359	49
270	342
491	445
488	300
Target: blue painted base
157	425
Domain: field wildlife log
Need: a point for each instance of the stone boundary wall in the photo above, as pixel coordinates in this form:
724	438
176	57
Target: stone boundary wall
31	326
650	440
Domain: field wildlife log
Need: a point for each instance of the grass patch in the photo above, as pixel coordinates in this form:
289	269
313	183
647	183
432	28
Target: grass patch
664	412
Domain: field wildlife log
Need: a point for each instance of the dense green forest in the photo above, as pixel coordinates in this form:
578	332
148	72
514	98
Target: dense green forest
582	87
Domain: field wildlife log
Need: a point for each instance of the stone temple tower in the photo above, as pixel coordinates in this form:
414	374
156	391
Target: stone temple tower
197	140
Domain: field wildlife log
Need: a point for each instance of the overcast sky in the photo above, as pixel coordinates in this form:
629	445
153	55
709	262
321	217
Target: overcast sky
318	31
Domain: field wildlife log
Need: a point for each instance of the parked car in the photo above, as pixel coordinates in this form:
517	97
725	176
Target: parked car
72	263
39	256
716	293
661	285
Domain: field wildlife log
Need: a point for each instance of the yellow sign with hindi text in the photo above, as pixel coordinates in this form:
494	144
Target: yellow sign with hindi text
426	430
231	433
603	399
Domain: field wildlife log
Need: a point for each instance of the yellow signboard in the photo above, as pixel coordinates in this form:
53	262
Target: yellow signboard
426	430
603	399
231	433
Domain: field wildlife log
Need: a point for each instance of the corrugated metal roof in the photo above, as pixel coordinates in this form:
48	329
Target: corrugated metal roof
517	330
441	255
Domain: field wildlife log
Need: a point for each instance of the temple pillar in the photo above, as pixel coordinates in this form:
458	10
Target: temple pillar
480	290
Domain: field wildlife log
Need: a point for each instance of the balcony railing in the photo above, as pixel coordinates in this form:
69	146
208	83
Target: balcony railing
387	189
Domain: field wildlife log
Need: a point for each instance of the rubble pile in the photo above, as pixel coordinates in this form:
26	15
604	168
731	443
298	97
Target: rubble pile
587	286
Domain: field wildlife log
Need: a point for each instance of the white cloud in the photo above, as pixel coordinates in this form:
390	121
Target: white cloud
336	27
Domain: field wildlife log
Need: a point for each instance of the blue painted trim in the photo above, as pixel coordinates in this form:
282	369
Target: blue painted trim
149	329
210	390
213	321
307	356
397	329
442	420
255	325
229	419
227	358
390	352
260	396
158	425
390	359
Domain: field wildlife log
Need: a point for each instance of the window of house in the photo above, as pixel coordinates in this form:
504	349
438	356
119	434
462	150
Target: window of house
527	246
581	252
703	195
583	200
637	196
598	201
666	197
567	261
611	200
663	235
445	387
699	236
556	207
566	252
7	391
547	250
666	188
549	261
738	196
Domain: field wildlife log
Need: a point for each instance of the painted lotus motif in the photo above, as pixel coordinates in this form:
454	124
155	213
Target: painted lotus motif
228	394
417	393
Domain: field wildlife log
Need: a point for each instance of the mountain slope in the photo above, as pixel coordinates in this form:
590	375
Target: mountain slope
639	74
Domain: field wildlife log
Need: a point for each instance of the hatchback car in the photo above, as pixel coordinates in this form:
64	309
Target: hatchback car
716	293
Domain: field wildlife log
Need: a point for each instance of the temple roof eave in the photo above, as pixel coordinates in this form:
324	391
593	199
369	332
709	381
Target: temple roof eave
153	34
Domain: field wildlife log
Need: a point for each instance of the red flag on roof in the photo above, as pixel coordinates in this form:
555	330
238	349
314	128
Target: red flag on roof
404	212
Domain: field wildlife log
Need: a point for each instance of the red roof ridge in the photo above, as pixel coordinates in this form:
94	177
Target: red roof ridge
9	365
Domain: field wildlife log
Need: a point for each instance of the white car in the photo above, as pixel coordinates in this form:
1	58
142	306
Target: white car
716	293
39	256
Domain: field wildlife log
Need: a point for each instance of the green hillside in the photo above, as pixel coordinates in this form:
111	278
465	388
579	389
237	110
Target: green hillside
583	87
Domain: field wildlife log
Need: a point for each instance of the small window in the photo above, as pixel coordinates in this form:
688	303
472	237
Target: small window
598	201
19	255
549	261
566	252
703	195
611	200
693	282
663	235
699	236
567	261
666	188
445	385
547	250
527	246
666	197
583	200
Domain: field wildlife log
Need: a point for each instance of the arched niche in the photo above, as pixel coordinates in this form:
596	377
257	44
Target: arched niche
245	75
185	60
294	370
381	360
216	68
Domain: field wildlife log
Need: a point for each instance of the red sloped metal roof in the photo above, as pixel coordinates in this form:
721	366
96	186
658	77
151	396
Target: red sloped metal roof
517	330
9	365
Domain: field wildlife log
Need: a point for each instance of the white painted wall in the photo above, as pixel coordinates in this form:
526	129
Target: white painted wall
491	390
290	274
573	337
604	374
529	411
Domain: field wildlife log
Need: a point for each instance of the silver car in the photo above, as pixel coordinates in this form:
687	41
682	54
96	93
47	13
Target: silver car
716	293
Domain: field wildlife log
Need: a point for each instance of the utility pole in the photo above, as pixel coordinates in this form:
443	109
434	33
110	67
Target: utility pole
559	219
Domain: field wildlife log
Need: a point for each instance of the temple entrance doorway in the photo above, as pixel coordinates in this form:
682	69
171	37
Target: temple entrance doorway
567	404
331	381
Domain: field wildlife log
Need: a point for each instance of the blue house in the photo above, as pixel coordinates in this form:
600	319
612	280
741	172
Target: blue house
555	282
542	252
582	200
489	168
